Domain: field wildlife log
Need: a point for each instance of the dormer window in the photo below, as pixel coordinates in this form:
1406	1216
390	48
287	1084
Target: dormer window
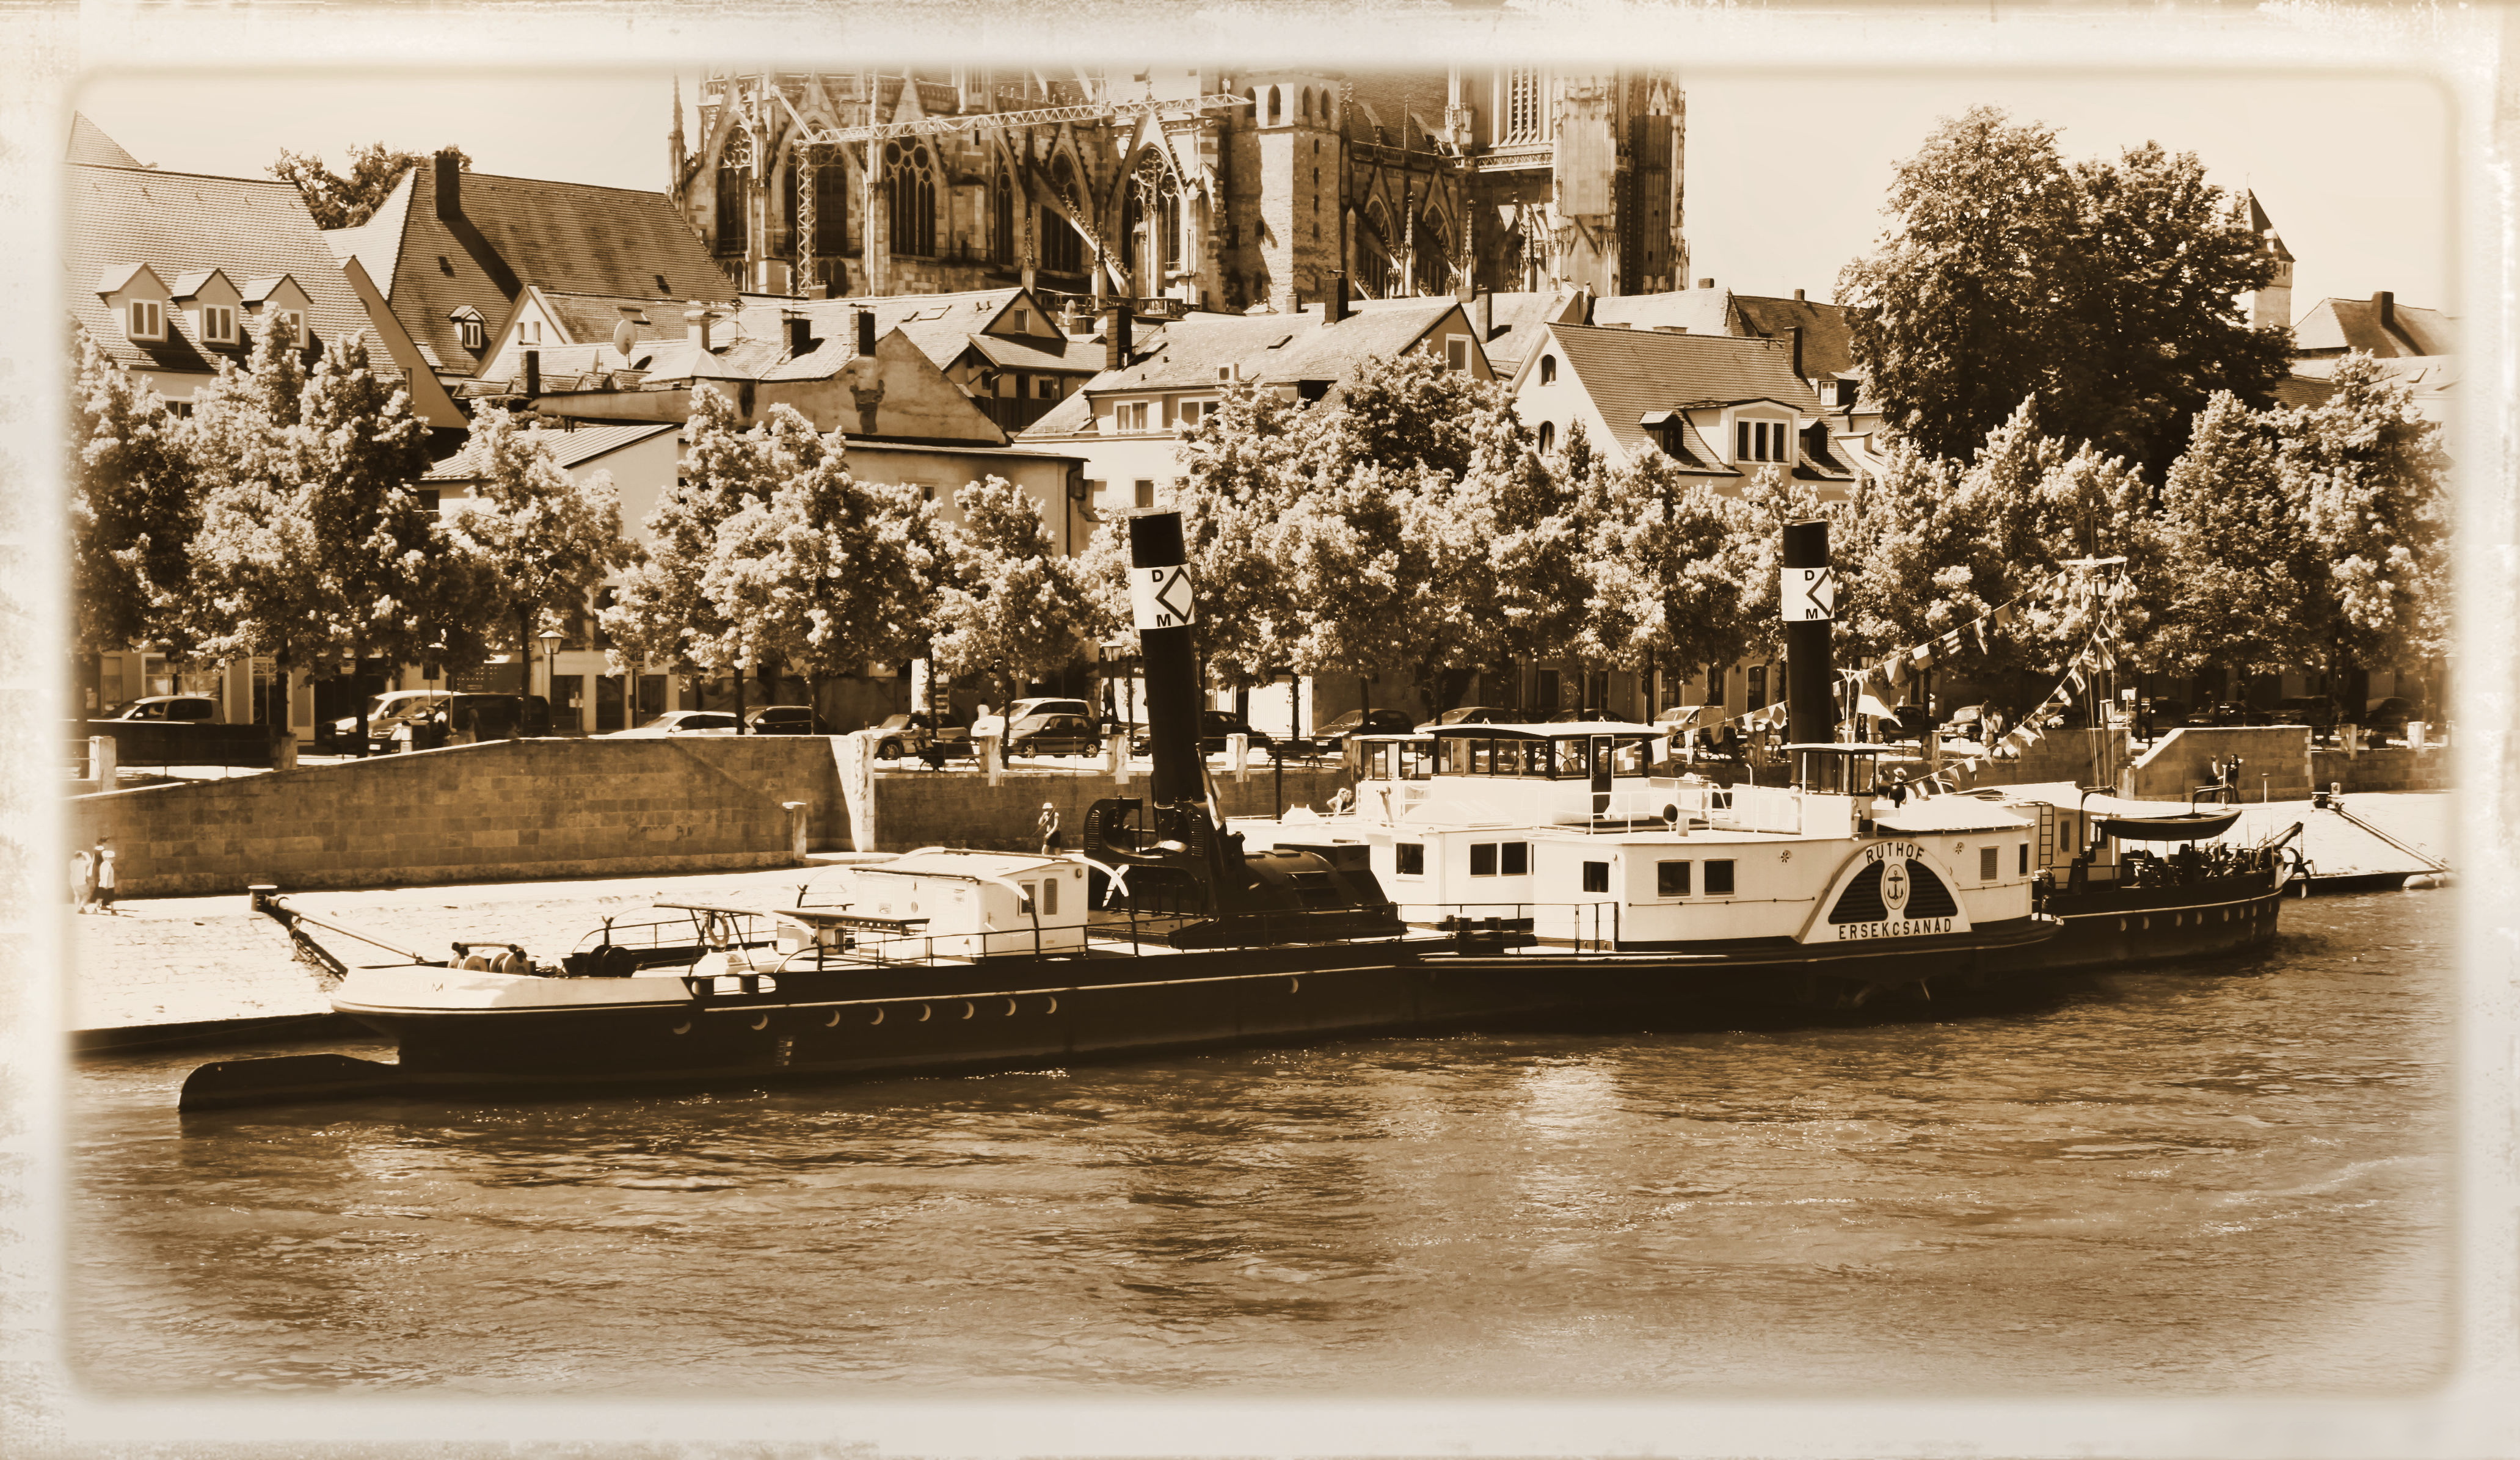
471	327
1457	352
218	324
1760	440
292	325
1130	416
1021	318
145	319
472	332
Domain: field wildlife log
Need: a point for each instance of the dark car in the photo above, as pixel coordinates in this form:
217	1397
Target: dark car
785	720
1479	715
1908	723
496	717
1213	726
1333	735
187	707
2232	712
2317	711
1053	734
913	734
2388	717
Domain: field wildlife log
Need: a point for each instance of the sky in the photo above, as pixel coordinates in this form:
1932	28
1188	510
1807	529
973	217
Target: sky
1784	171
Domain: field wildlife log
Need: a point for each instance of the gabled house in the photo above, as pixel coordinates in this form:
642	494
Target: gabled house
173	272
1720	407
1815	330
2416	347
451	254
1128	420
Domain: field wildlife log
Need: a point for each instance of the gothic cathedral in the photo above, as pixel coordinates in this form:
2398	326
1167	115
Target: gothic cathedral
1207	189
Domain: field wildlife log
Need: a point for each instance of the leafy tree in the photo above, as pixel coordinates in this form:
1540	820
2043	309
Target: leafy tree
2106	291
345	201
659	614
1010	601
532	541
1665	576
134	507
384	552
824	574
1242	468
2238	553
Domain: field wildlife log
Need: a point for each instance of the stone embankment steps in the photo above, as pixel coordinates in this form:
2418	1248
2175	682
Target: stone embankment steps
169	970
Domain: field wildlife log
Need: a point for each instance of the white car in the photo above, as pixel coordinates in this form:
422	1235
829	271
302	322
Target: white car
1053	705
680	723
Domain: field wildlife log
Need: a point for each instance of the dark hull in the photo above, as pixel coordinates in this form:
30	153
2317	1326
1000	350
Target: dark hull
2131	927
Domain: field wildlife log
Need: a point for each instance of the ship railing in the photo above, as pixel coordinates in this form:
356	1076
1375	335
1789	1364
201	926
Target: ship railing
1553	929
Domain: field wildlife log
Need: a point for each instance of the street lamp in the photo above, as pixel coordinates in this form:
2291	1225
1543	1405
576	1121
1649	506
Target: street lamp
551	660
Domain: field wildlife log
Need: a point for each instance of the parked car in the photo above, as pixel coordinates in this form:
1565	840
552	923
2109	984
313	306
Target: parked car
2388	717
1213	726
393	707
2317	711
2230	712
786	719
680	723
1479	715
1333	735
1054	733
1908	723
190	707
1590	715
912	734
1052	705
1967	722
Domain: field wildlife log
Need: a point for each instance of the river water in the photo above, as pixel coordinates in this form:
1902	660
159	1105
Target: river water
2232	1177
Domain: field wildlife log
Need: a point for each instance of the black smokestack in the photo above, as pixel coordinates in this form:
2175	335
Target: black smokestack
1159	594
1808	594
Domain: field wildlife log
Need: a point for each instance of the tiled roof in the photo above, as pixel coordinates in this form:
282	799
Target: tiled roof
1376	331
1629	373
2265	228
568	447
180	222
1700	311
1825	348
2303	390
1515	318
1188	352
590	319
572	237
90	146
2335	326
1038	352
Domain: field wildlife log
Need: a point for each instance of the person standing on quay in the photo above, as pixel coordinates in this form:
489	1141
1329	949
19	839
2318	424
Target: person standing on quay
82	881
105	878
1049	825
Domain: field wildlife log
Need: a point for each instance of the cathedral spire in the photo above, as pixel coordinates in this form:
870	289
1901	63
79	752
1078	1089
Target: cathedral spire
675	145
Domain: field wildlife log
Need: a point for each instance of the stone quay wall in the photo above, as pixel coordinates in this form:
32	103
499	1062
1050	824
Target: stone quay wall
2428	769
499	811
2274	761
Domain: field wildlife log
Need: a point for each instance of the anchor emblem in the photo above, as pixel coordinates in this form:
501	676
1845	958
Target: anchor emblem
1894	887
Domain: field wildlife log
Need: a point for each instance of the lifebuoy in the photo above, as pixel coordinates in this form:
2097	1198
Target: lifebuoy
922	1013
877	1019
761	1021
833	1022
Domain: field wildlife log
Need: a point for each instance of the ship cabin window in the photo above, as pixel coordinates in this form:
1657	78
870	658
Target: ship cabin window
2025	858
1596	876
1671	879
1718	878
1408	859
1986	868
1023	903
1390	760
1494	858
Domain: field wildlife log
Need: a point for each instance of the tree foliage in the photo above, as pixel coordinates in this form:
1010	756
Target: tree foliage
1009	605
346	201
537	539
2107	292
134	508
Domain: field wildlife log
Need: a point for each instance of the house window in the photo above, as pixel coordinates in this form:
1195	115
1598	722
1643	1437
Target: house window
1671	879
1759	440
1757	695
1596	876
218	324
472	333
1130	416
533	332
1548	435
1408	859
1718	878
1986	868
1457	352
1714	683
1021	319
1045	387
1547	370
1145	494
146	320
1193	412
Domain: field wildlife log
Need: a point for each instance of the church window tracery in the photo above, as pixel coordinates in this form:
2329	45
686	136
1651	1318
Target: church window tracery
912	174
734	180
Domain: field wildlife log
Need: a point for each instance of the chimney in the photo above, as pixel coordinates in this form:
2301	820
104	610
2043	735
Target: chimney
1794	342
2387	303
533	372
450	186
865	333
1706	283
1798	296
800	335
1483	314
698	318
1117	321
1334	304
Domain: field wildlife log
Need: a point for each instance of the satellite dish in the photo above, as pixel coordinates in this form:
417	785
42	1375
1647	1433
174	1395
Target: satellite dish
624	335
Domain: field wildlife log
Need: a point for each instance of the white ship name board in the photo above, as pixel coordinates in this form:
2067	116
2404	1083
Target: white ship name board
1160	597
1806	594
